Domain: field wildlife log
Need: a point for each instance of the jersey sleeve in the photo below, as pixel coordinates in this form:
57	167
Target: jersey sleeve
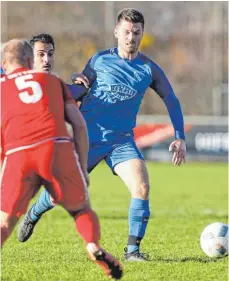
77	91
160	84
89	69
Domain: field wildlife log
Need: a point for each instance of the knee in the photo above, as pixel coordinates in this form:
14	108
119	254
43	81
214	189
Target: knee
73	209
67	203
5	230
7	222
71	202
141	191
78	210
5	233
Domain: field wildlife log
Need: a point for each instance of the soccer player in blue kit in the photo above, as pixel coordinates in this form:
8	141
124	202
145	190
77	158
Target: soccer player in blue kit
118	79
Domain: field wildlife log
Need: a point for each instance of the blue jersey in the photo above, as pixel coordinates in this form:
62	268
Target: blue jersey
117	88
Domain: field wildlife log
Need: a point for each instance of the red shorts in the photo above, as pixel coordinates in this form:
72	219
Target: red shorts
56	163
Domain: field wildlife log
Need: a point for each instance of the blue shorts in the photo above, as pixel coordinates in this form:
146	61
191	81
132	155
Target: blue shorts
113	154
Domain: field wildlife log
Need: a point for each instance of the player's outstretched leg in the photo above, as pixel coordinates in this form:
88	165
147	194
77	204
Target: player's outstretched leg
33	215
87	225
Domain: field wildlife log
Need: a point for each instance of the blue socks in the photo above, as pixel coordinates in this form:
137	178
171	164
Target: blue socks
139	214
42	205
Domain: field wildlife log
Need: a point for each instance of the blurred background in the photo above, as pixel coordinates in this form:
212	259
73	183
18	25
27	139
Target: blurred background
189	40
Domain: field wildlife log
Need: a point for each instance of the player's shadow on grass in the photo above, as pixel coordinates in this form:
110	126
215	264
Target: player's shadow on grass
116	217
110	217
216	216
186	259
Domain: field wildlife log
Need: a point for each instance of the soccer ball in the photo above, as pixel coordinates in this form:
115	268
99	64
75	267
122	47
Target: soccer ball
214	240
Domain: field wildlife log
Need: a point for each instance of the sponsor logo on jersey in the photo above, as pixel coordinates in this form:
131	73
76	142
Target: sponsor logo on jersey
116	92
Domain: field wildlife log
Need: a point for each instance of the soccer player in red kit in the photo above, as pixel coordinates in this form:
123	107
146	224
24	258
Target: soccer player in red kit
34	107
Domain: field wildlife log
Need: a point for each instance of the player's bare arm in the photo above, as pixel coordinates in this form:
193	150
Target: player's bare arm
80	137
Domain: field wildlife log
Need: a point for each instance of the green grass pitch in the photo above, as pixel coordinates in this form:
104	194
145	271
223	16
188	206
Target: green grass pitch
183	201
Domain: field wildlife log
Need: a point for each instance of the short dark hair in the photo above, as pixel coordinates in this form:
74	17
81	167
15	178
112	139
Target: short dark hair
131	15
44	38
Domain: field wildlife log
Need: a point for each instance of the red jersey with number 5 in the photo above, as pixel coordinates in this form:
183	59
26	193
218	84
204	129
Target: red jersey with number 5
32	108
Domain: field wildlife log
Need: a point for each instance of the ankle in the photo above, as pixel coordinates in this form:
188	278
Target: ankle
132	248
92	247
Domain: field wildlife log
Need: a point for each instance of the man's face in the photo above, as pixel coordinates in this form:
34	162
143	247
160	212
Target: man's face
43	57
129	36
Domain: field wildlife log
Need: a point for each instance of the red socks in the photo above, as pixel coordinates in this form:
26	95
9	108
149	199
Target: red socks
87	225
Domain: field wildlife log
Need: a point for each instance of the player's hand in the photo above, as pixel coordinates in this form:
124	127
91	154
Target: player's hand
179	148
80	78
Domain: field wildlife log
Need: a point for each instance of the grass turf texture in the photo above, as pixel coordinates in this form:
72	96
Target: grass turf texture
183	201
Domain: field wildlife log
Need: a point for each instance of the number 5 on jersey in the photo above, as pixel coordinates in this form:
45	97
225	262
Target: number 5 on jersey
23	84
